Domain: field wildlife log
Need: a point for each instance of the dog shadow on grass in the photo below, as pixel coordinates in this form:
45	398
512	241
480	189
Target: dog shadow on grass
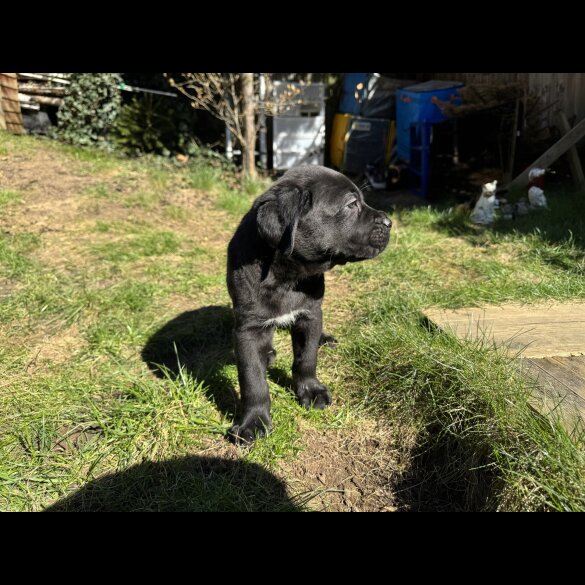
186	484
198	343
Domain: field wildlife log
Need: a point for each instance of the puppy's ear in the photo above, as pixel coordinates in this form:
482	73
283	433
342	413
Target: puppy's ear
278	216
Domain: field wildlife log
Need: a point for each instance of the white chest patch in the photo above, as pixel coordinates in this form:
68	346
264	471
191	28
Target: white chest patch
285	320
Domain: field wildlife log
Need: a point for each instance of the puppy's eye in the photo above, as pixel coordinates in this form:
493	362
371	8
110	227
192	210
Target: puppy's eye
353	204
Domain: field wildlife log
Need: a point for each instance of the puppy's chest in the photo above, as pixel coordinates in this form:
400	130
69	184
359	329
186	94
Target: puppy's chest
286	319
283	306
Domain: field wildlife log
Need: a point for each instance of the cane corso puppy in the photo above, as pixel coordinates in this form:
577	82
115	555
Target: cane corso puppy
310	220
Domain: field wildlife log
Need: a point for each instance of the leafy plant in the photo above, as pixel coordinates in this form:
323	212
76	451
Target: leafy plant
145	125
89	109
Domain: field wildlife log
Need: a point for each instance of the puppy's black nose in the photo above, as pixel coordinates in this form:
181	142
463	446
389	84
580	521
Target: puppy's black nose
382	218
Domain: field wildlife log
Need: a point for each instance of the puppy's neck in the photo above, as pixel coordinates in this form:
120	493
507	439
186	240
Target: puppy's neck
292	270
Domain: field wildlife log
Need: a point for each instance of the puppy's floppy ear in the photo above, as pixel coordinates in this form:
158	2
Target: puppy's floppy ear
278	216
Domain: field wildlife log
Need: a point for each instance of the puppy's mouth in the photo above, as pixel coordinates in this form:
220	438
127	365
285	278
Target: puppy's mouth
367	250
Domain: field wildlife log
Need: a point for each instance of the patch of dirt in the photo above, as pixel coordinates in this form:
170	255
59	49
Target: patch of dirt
7	287
340	470
48	185
56	205
73	438
55	347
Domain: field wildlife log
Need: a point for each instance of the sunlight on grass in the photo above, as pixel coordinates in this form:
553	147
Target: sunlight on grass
9	198
85	289
142	245
204	177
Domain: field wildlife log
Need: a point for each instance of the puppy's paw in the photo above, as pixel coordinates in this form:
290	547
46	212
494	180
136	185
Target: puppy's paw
313	394
328	340
270	357
251	427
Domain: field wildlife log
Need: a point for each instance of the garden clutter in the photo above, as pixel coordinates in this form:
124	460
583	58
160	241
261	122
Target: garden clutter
535	183
484	210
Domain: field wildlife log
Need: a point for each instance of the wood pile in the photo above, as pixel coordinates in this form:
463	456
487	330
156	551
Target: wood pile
36	89
481	97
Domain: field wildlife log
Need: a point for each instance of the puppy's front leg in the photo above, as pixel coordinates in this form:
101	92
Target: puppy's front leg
252	347
306	333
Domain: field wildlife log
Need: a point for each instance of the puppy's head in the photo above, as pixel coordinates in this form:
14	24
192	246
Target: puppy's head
315	214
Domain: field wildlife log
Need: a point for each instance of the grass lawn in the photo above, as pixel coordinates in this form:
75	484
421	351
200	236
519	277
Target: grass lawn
118	381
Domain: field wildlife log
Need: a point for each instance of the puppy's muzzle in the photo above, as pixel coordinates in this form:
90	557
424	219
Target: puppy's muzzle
381	233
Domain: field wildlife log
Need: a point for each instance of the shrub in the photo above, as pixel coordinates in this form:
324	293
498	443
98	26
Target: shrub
89	109
145	125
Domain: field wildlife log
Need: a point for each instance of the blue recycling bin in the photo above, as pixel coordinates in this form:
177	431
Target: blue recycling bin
348	103
414	106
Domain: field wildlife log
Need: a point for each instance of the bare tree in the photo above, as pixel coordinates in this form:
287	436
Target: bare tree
249	162
234	99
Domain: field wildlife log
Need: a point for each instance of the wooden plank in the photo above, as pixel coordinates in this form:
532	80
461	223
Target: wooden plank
551	397
554	382
52	77
558	368
537	313
532	330
576	365
12	117
514	138
10	104
8	80
572	155
551	155
51	101
2	119
35	89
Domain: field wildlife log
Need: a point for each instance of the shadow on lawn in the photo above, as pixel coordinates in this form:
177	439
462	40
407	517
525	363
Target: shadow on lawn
187	484
447	474
201	341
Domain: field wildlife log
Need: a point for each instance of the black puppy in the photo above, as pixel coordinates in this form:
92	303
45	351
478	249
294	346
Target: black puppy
310	220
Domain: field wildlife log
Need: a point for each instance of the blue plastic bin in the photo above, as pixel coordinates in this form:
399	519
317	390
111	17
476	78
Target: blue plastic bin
414	104
348	104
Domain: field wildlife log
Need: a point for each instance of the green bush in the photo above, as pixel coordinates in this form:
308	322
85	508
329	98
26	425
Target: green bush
89	109
146	125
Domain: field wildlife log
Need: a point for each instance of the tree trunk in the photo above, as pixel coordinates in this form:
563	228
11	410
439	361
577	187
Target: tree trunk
248	149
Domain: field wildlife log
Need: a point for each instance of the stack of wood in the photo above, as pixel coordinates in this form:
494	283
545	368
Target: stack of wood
36	89
480	97
10	116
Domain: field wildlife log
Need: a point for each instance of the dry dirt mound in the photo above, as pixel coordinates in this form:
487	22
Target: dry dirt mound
344	470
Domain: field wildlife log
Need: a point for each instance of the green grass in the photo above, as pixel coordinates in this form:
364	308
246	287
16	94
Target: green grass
98	191
176	213
143	199
86	424
473	440
236	203
14	253
8	197
153	243
203	176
